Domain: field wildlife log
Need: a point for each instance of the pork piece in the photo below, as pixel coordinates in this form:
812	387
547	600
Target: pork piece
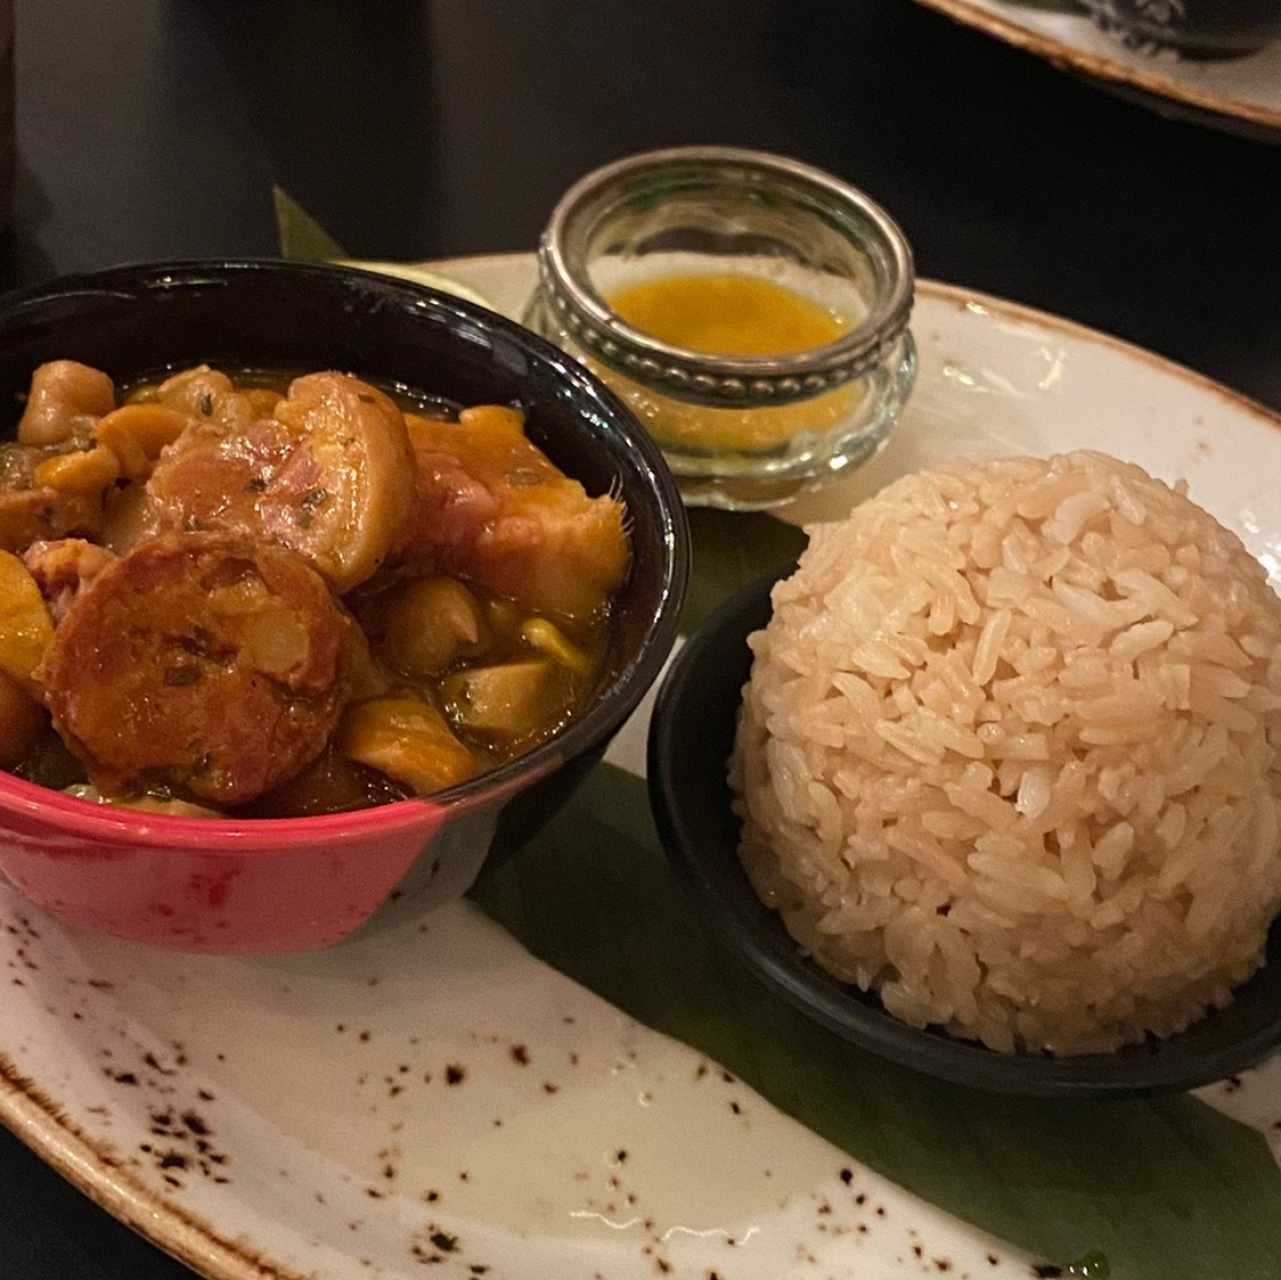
63	569
493	508
30	512
212	478
203	662
330	475
65	401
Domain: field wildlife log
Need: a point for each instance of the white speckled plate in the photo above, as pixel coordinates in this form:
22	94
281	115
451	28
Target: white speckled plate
1240	95
431	1099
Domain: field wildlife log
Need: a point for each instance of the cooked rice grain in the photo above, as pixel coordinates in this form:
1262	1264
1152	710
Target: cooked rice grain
1009	754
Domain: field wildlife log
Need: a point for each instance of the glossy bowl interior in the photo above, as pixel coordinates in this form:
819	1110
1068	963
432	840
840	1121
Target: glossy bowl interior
691	736
294	884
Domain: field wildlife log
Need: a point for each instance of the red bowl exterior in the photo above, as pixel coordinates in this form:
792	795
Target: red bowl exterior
193	885
256	887
281	885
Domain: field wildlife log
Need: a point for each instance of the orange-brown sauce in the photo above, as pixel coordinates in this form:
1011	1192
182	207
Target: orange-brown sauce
731	315
452	678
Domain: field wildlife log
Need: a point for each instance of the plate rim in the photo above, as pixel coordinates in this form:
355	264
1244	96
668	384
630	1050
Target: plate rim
961	295
1065	56
41	1125
39	1122
1021	312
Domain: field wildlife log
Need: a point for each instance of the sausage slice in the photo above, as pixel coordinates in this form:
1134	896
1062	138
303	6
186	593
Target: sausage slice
199	661
330	475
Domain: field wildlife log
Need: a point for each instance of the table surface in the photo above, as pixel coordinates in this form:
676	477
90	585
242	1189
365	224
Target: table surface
419	130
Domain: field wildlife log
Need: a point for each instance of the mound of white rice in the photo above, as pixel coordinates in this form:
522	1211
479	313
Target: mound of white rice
1009	754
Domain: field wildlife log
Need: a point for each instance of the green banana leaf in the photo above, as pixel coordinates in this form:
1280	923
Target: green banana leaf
1162	1189
731	550
301	237
1157	1190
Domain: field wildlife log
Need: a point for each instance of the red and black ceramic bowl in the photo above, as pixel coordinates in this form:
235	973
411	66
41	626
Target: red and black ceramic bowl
274	885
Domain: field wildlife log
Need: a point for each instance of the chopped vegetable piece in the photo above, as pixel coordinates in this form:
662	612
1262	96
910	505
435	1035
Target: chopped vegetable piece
503	616
263	401
432	623
170	808
130	455
25	626
148	426
548	638
513	700
65	399
407	739
84	473
364	677
144	803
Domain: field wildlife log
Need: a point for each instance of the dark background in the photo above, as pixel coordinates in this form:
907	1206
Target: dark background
154	128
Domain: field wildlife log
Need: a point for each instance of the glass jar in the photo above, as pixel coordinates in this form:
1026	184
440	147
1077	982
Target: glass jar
740	431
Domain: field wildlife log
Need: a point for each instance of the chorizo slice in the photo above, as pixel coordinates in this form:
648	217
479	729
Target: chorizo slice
202	662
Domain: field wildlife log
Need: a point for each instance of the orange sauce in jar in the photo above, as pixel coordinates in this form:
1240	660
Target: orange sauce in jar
730	315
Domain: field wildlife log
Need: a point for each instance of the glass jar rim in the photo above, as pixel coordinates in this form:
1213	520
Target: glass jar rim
713	378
